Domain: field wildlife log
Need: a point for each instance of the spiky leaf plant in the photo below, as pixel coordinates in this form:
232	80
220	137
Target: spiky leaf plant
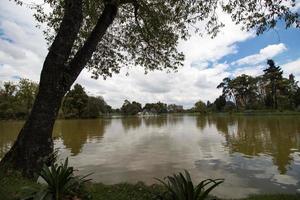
180	187
61	183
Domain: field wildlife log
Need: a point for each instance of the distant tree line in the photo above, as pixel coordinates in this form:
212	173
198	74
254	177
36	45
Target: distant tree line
16	99
268	91
77	104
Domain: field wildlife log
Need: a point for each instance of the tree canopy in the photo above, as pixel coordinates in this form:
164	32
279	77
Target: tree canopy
16	99
146	32
270	90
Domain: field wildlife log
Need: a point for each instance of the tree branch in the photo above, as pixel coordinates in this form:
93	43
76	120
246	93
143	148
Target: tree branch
62	45
85	53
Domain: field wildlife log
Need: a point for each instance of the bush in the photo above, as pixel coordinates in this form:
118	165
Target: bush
61	183
180	187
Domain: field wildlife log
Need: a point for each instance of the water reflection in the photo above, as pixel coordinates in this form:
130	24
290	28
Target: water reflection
278	137
8	131
131	122
75	133
155	121
254	154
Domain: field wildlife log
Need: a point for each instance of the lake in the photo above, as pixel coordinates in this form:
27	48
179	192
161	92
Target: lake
255	154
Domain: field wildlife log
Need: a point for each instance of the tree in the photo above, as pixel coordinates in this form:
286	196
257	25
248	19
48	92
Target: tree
131	108
173	108
158	107
26	93
273	75
242	89
95	107
220	103
16	100
8	100
292	90
75	102
107	34
200	106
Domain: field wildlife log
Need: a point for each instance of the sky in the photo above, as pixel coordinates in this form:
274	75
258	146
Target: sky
207	61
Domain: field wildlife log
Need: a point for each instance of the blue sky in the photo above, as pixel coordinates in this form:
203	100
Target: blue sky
289	37
208	61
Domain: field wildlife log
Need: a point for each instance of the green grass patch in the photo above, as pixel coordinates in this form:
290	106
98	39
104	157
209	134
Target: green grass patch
14	186
124	191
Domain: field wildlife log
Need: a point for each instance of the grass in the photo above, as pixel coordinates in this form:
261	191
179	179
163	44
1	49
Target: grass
124	191
12	188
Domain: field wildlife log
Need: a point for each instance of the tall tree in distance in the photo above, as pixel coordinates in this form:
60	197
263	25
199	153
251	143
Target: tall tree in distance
273	74
8	100
104	35
26	93
75	102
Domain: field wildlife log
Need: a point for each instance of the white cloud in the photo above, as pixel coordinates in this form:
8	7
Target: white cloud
292	67
252	71
268	52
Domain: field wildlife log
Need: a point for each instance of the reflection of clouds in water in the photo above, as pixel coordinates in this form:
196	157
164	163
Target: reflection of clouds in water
154	145
248	176
249	152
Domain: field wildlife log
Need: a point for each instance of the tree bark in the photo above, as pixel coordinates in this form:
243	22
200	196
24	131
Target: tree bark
34	143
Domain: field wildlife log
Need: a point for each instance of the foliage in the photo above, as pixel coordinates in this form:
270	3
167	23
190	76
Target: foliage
131	108
273	77
77	104
271	90
158	108
12	185
220	103
125	191
200	106
74	102
16	99
61	183
12	188
180	187
173	108
149	31
95	107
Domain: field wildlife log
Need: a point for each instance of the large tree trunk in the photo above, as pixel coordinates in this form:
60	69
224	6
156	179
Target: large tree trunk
34	143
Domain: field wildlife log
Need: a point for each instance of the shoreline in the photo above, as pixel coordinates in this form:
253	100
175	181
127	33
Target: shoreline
12	188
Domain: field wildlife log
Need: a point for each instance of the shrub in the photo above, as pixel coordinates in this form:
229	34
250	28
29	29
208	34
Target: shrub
60	183
180	187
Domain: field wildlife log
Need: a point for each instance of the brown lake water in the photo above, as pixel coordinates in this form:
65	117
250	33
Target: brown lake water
255	154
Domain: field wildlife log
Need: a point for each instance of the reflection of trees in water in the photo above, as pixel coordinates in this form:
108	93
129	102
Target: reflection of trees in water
8	133
174	119
201	121
154	121
131	122
254	135
157	121
75	133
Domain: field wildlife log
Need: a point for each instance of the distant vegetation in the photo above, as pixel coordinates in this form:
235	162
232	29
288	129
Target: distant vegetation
270	91
16	100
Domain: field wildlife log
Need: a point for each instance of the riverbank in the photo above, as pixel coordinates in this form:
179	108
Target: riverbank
15	188
238	113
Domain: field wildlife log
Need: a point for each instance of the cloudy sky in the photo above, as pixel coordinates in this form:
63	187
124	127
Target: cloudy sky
208	61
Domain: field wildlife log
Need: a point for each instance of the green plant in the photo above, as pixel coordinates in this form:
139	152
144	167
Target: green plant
180	187
60	183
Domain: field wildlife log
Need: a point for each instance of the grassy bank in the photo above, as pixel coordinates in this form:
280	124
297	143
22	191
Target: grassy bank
15	187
